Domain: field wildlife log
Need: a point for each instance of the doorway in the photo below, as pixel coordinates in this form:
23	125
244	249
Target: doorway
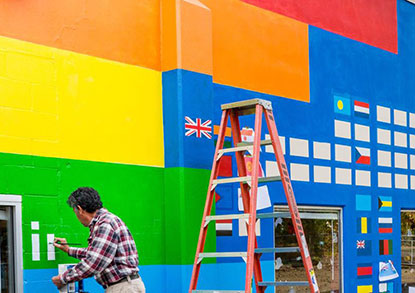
322	227
11	268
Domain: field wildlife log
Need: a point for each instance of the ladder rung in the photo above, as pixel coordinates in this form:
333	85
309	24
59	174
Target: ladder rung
222	254
263	142
269	179
218	291
277	250
273	215
246	179
287	283
235	149
225	217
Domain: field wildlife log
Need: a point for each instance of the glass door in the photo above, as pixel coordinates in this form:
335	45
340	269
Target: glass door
6	250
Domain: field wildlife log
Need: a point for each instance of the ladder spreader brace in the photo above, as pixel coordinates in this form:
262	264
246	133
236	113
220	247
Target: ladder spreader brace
249	189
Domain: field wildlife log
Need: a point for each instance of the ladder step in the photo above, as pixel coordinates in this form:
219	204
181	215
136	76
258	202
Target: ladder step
263	142
246	179
218	291
222	254
236	149
277	250
269	179
280	284
225	217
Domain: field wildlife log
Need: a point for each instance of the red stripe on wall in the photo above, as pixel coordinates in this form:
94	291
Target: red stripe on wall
368	21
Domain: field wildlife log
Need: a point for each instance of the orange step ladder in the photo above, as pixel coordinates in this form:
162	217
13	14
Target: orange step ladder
249	188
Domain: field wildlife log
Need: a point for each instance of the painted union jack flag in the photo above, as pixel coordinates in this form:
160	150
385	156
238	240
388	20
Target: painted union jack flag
198	127
360	244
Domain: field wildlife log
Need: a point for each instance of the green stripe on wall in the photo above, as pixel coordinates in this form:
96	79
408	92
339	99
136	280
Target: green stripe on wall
185	201
162	207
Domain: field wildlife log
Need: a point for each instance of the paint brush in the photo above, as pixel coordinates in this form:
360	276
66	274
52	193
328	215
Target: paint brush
73	244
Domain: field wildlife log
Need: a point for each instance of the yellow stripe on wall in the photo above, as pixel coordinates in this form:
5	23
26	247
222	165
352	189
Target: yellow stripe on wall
57	103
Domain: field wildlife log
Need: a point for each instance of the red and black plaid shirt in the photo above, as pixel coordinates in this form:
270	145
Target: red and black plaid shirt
111	253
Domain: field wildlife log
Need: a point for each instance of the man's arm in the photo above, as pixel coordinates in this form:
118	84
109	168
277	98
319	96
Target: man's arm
99	254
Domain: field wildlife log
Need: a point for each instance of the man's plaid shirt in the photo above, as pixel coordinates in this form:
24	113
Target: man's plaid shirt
111	253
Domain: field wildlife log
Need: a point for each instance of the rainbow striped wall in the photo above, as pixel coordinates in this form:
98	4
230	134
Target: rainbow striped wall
98	93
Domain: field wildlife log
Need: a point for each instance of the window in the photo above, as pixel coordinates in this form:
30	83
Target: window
322	228
408	250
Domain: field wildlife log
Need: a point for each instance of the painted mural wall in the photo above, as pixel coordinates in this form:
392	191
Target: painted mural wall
125	96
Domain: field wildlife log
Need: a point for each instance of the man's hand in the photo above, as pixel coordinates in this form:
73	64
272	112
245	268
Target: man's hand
57	281
61	244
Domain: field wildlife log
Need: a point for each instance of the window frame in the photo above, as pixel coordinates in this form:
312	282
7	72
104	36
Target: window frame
314	209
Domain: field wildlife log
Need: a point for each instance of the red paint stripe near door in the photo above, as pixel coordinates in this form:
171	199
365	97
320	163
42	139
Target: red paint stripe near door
372	22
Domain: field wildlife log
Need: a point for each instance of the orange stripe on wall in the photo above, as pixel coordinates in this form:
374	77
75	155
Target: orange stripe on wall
124	30
259	50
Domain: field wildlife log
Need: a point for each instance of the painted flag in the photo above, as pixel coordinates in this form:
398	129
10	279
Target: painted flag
386	287
365	289
364	247
362	156
247	134
249	167
224	227
364	270
385	225
385	203
364	225
361	109
387	271
198	127
225	166
341	105
363	202
385	247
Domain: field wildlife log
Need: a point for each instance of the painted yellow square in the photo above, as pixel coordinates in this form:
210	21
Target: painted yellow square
365	289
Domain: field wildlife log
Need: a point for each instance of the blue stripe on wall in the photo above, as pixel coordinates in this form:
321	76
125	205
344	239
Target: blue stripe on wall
160	278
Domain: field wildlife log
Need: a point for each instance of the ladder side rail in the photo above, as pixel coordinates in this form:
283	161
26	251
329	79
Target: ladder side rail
289	193
253	199
209	200
241	166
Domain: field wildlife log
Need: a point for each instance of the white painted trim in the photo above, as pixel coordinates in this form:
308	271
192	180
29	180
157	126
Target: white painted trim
15	202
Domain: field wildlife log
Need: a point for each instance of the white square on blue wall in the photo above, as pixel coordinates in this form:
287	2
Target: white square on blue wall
322	174
384	158
383	114
299	147
343	176
321	150
362	178
300	172
399	117
384	180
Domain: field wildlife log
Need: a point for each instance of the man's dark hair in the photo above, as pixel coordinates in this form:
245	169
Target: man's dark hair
85	197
